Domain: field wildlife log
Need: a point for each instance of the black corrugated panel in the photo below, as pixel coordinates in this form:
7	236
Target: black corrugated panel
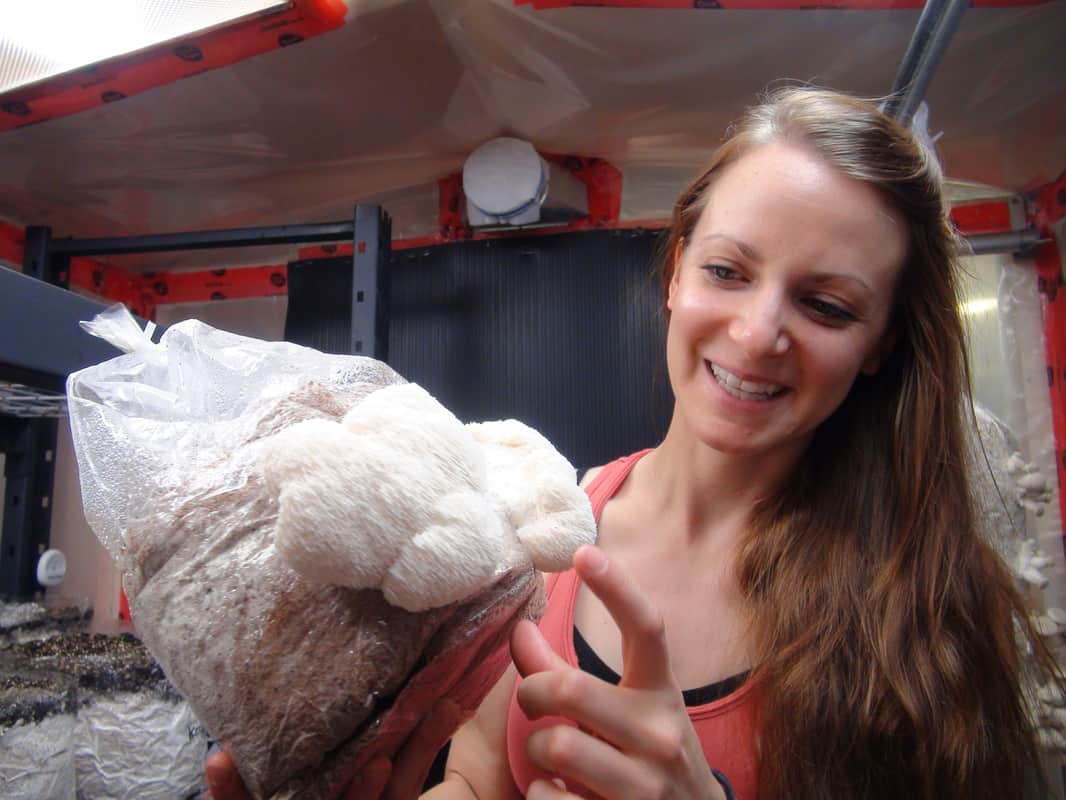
320	304
561	332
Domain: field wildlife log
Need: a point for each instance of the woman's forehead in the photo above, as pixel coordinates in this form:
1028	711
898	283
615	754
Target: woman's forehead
783	199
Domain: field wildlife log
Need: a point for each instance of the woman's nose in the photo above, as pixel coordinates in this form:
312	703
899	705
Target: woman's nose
758	327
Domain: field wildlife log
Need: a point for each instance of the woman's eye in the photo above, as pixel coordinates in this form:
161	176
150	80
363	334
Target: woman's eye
830	311
722	273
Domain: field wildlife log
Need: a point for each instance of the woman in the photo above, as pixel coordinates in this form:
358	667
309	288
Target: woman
801	547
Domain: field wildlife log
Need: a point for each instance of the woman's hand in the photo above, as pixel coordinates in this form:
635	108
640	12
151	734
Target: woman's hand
380	779
632	740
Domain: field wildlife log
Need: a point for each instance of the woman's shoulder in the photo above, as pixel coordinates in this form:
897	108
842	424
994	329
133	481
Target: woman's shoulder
620	466
590	475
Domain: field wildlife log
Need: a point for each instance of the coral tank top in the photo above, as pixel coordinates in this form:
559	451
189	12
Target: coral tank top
725	726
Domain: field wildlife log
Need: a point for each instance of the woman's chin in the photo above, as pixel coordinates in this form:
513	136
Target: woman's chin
731	444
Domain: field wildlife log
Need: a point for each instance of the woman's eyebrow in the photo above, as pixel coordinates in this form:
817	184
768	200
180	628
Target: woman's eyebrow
829	277
749	251
746	249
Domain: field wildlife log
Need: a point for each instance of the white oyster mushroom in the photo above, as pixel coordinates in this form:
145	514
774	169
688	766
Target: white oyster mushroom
1051	694
1052	739
1058	615
1033	482
1028	563
1045	626
1032	490
1016	464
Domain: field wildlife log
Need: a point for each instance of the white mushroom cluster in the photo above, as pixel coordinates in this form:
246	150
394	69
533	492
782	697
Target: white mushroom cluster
401	496
1031	487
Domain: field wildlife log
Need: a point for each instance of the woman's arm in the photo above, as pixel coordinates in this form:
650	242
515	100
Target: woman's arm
477	765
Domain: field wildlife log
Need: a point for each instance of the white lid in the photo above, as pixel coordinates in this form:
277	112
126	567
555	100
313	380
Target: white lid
504	176
51	568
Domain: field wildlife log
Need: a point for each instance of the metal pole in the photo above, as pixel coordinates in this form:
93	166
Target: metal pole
1013	242
927	22
923	57
371	246
205	240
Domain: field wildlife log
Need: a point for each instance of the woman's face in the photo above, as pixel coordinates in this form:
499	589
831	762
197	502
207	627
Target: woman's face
779	300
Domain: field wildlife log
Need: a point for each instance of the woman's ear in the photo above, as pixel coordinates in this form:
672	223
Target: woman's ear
675	272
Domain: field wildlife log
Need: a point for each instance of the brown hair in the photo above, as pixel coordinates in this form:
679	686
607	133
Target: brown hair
883	625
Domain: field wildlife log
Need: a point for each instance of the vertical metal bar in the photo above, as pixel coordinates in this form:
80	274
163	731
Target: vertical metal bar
923	31
40	259
370	282
37	252
29	467
924	53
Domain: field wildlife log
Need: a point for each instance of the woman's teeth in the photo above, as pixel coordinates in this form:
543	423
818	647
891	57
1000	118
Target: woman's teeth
744	390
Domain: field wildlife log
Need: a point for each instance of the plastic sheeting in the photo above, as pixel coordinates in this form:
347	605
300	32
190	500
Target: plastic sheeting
128	746
88	716
1029	411
136	747
378	110
37	760
1009	371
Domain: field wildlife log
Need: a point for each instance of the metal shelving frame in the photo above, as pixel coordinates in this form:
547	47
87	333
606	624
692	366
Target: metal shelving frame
41	343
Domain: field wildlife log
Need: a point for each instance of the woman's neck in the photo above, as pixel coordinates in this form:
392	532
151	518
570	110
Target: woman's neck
705	491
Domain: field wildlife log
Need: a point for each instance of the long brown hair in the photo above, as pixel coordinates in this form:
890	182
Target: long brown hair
883	625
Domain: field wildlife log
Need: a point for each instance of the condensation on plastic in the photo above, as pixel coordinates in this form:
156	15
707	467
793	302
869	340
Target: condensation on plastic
1029	412
994	351
380	109
1001	519
980	280
298	680
126	746
164	411
1006	346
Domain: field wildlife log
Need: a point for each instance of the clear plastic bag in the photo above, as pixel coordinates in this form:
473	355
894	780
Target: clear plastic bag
301	681
173	404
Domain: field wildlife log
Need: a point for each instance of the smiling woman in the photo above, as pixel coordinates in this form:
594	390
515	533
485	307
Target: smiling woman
782	298
789	596
815	338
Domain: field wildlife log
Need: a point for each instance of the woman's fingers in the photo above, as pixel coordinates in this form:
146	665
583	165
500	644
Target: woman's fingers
223	779
531	652
541	789
622	717
646	663
371	781
574	755
411	765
